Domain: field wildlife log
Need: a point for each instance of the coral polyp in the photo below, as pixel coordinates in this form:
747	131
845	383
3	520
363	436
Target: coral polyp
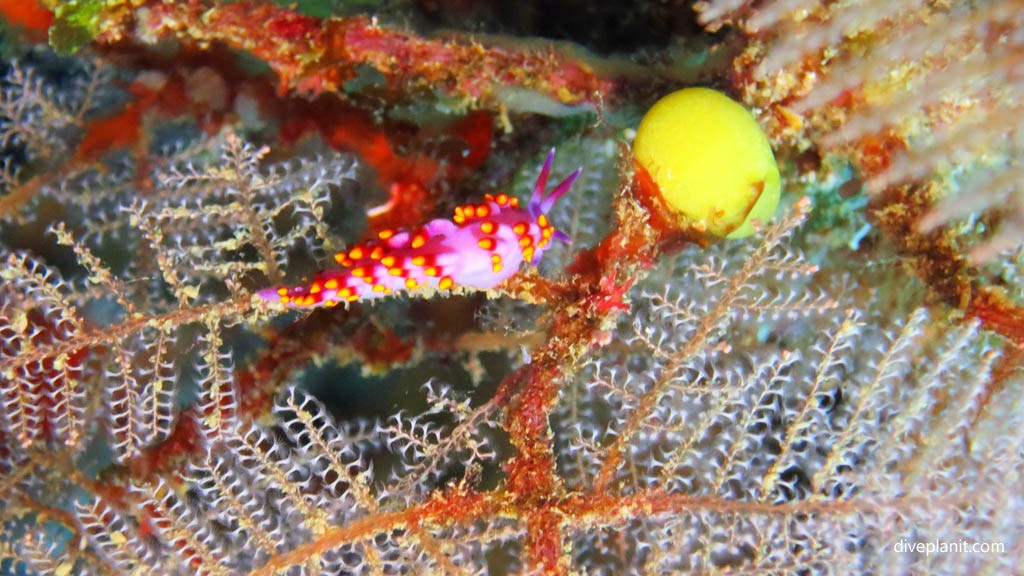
482	245
711	161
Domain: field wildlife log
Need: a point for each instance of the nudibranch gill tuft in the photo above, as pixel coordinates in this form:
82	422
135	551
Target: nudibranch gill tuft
482	245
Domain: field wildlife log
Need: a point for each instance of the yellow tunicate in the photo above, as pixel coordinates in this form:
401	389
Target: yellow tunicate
711	160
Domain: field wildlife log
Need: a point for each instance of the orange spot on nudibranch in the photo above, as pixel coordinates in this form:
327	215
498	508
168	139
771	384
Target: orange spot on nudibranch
487	243
445	283
282	291
395	271
526	241
418	240
358	272
496	268
542	220
432	271
495	258
385	234
377	253
344	293
419	260
284	299
502	199
483	211
315	288
513	202
388	261
488	227
411	284
330	303
520	228
355	253
379	288
528	253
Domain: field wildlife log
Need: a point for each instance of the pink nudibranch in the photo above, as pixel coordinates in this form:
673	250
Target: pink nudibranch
482	245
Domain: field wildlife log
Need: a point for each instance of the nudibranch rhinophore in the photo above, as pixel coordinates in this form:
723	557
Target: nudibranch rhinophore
711	161
482	245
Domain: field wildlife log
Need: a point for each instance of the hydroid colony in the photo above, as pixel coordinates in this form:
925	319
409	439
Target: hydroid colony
648	399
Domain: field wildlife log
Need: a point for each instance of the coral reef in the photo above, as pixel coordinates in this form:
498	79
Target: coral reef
839	391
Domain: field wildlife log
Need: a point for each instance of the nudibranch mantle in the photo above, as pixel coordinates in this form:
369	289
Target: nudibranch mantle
482	245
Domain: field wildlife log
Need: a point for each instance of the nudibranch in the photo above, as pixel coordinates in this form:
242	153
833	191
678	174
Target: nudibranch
482	245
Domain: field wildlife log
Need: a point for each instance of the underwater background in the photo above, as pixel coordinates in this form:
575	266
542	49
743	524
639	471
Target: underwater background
832	386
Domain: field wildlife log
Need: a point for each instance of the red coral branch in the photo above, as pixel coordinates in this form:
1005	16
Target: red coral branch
937	260
466	69
284	39
998	314
314	55
447	507
590	299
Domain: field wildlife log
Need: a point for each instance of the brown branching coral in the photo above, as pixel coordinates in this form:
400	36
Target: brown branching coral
313	55
643	403
922	97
